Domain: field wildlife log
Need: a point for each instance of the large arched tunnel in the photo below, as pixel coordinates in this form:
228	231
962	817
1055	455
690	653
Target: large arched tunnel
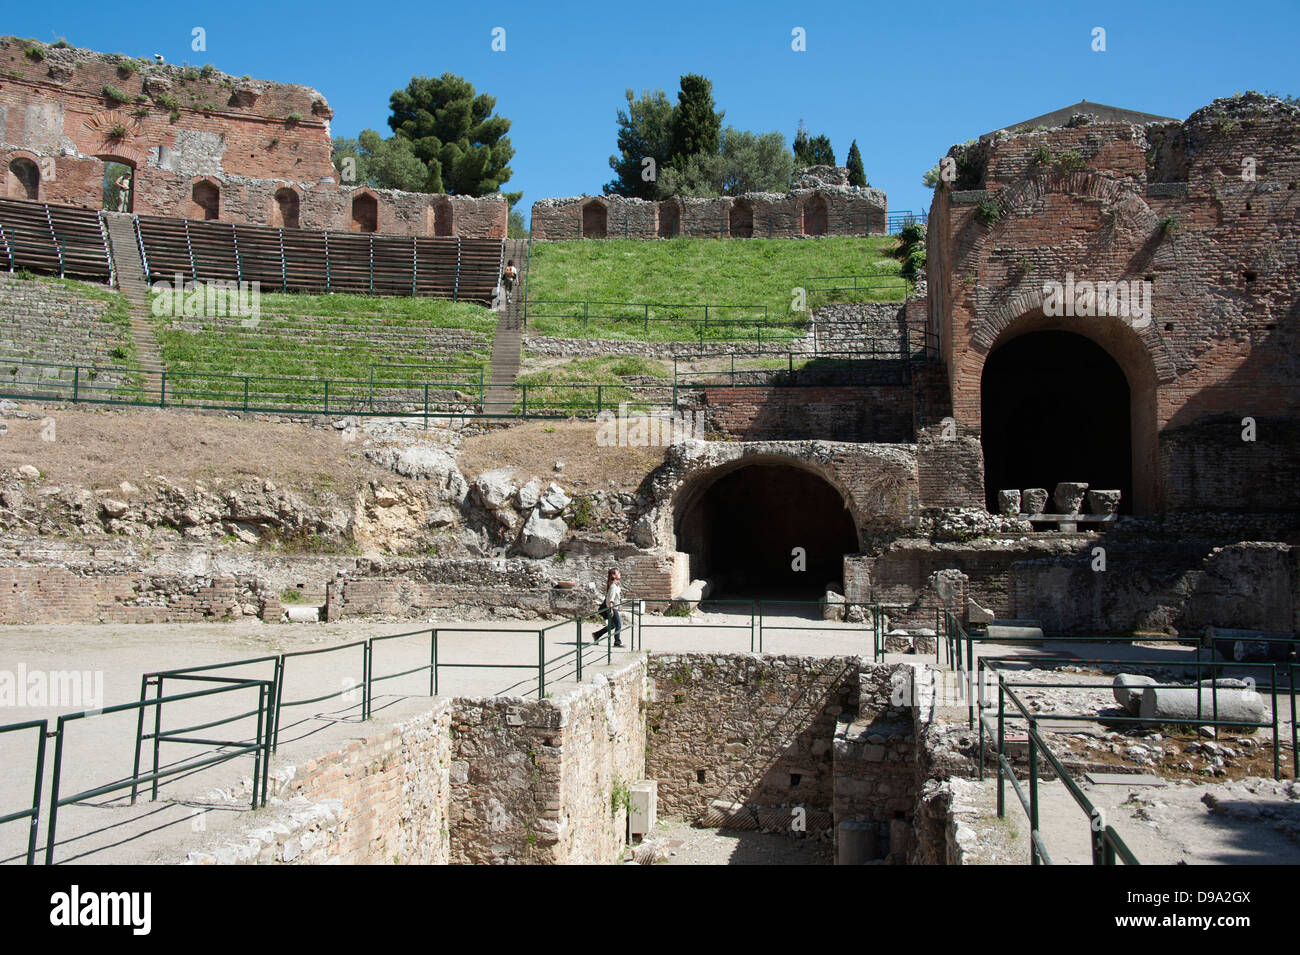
766	529
1055	407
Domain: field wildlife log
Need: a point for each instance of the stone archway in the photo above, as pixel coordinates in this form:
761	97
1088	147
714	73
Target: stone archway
815	217
1076	390
285	209
766	527
23	180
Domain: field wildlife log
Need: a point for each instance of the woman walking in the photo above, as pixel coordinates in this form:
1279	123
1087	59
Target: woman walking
609	609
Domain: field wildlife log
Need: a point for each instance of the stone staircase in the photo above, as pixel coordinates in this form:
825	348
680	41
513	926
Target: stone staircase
501	396
129	269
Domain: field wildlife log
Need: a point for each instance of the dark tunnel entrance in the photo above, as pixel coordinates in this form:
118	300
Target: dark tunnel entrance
1055	407
742	531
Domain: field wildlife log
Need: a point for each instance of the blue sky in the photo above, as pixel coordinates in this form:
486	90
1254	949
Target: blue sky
907	80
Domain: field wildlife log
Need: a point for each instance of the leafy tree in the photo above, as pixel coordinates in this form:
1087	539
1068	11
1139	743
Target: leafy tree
515	228
696	128
800	145
857	175
452	131
746	162
645	130
931	177
382	163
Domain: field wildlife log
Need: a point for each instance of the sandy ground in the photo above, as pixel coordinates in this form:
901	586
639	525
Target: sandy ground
101	750
687	845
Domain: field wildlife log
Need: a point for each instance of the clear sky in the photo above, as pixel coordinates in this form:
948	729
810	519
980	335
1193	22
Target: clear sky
907	80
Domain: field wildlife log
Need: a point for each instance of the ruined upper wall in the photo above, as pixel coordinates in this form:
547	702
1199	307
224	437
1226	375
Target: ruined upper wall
1205	212
70	111
826	209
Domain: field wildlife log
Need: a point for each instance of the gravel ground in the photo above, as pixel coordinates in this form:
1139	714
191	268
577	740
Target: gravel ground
683	844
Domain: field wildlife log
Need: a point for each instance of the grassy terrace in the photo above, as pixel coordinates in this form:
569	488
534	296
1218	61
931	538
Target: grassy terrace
553	388
754	272
330	336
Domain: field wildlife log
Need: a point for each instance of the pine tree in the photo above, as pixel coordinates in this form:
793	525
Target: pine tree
697	129
857	175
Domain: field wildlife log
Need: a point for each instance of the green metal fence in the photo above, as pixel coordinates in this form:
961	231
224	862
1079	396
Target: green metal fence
31	813
707	321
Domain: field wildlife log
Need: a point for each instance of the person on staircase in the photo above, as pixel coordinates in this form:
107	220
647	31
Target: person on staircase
508	279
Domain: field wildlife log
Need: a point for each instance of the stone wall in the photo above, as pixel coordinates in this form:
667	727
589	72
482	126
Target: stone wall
31	595
825	210
874	763
492	780
46	322
744	728
179	127
533	781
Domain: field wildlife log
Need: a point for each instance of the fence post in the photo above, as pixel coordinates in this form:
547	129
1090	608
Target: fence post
524	408
76	381
162	390
1002	778
1033	790
426	405
647	318
433	662
599	395
541	664
327	396
245	394
578	621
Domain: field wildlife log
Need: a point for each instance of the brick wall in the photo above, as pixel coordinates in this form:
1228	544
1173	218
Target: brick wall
1165	204
31	595
757	215
830	413
236	133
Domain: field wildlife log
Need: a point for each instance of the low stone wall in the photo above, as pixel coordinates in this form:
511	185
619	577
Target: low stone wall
383	798
496	780
44	322
31	595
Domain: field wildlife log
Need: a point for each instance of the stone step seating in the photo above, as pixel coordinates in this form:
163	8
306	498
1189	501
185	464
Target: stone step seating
52	239
45	323
316	261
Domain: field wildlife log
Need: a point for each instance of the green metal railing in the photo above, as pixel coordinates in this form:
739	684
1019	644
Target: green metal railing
871	283
711	322
777	368
223	750
760	614
33	812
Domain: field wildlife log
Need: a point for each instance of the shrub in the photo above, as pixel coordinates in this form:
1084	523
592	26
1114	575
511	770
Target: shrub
115	95
117	132
293	118
1069	160
584	514
988	211
35	53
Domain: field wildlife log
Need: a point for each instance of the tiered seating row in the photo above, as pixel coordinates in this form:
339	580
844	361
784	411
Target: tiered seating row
59	240
309	261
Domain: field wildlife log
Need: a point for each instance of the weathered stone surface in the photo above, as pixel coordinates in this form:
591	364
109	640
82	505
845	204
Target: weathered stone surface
1104	502
541	537
529	495
1236	704
1128	689
976	614
554	501
1068	497
832	605
493	488
1009	502
433	464
1033	500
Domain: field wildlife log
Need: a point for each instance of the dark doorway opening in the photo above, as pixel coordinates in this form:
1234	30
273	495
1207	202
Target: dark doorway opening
286	209
742	532
365	213
24	180
594	220
741	220
1055	407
